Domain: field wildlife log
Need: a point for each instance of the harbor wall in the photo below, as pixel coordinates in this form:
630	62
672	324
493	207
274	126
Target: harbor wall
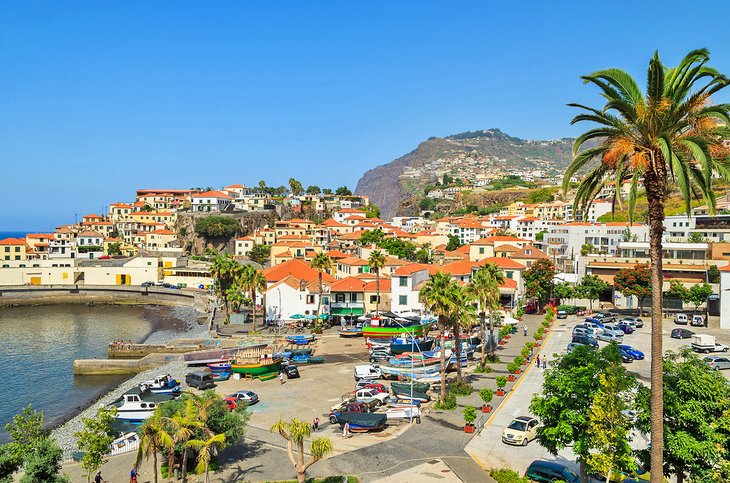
98	367
101	294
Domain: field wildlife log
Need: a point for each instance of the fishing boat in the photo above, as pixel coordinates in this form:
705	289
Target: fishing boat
408	371
164	384
415	395
406	386
400	345
300	351
348	332
221	375
201	358
374	344
220	366
387	327
138	404
300	339
363	422
257	363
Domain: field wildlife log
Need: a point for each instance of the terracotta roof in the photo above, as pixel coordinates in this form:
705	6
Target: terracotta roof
507	248
534	254
295	268
336	254
91	216
39	235
355	218
212	194
411	268
353	261
90	233
508	283
463	249
384	285
245	238
349	284
235	186
502	262
12	241
331	222
350	210
162	232
458	268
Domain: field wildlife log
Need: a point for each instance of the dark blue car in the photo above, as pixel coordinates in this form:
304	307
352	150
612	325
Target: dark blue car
626	328
635	353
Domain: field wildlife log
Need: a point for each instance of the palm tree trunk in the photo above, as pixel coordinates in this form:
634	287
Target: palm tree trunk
319	298
377	293
482	325
183	471
655	184
457	349
253	309
442	396
207	476
154	465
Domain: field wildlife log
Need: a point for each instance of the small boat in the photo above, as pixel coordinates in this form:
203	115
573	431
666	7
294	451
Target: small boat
165	384
401	402
403	412
221	375
350	332
363	422
386	327
316	360
138	404
406	386
125	443
301	351
400	345
220	366
257	363
202	358
416	396
299	338
378	343
301	359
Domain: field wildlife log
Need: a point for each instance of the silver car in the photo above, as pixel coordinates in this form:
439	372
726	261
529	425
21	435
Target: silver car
613	328
718	362
582	330
610	336
634	322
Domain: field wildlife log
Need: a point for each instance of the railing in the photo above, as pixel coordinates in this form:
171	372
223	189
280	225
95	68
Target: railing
262	435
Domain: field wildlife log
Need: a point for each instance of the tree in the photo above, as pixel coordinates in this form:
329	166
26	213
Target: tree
372	211
673	133
215	226
186	422
322	263
564	291
313	190
505	232
540	235
484	287
226	273
568	392
538	279
437	297
423	255
260	253
343	191
463	313
698	294
677	290
152	440
26	431
713	274
695	237
43	463
376	262
634	282
94	440
696	407
371	237
327	191
206	448
114	249
252	281
295	187
295	432
627	236
453	244
587	249
591	287
609	427
262	186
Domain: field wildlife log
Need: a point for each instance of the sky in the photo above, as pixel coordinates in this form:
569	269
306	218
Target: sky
98	99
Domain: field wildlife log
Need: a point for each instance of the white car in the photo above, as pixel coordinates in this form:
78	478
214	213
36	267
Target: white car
249	397
616	330
610	336
521	430
634	322
367	396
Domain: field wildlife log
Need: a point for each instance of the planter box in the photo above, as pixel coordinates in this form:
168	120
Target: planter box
501	342
517	371
500	392
468	428
511	378
537	345
487	408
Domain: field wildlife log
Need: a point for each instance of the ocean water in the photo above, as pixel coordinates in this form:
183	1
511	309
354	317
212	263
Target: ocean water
13	234
38	346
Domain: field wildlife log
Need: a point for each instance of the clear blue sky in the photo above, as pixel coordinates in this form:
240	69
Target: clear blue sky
100	98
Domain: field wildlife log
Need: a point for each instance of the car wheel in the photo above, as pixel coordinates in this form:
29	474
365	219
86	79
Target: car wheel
717	368
333	420
524	442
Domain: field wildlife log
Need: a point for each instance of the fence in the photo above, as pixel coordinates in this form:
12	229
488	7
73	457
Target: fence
262	435
131	443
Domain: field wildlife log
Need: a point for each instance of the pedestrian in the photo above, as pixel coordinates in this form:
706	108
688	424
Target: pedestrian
537	361
133	475
346	430
544	363
525	330
98	478
129	345
281	377
315	423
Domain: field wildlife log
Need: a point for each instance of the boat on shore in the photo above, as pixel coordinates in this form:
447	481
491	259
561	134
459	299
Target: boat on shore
202	358
363	422
397	387
348	332
399	345
164	384
387	328
221	375
139	404
220	366
258	363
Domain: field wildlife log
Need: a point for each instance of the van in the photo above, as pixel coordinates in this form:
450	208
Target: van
697	321
680	319
367	372
562	314
200	379
547	472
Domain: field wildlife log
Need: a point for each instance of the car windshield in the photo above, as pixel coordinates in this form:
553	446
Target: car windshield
517	425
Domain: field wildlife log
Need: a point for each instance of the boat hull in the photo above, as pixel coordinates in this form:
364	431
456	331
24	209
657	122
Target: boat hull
349	333
257	369
397	348
134	414
378	332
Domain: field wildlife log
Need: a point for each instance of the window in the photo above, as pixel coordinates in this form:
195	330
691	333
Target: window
17	257
509	274
403	282
403	299
340	298
373	299
17	249
481	250
310	299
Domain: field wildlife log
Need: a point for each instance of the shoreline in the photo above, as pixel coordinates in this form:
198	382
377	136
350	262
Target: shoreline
167	323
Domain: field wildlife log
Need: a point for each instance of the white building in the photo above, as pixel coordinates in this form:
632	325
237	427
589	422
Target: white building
210	201
405	287
292	296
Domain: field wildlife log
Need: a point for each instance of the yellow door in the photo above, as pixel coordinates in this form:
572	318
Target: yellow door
35	280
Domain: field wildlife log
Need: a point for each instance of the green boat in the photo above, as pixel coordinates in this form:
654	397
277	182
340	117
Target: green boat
258	369
385	328
405	387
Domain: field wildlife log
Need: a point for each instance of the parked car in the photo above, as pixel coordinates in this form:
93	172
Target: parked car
717	362
291	371
200	379
626	327
614	328
249	397
548	472
231	403
707	343
348	407
681	334
635	353
148	284
379	355
596	324
367	396
697	321
625	356
680	319
584	340
610	336
635	322
579	330
562	314
521	430
368	384
367	372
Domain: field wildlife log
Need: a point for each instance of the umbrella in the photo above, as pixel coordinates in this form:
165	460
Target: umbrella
324	316
297	316
310	317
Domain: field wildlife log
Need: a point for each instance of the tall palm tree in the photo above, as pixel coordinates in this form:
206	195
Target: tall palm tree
295	432
376	262
252	280
484	287
463	314
153	438
670	134
225	272
437	297
206	448
185	424
322	263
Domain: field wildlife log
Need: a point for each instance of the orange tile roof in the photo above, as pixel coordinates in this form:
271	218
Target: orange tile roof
162	232
411	268
502	262
12	241
336	254
350	210
235	186
534	254
349	284
507	248
508	283
331	222
463	249
355	261
90	233
39	235
458	268
385	284
295	268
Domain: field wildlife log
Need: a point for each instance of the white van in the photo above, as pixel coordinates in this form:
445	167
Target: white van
367	372
680	319
697	321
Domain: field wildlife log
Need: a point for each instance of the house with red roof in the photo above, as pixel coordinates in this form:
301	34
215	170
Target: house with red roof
292	295
13	249
211	201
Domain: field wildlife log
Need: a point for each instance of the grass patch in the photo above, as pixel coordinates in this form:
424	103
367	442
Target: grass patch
448	403
460	389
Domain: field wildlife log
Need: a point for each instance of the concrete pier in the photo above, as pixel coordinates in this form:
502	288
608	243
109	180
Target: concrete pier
99	367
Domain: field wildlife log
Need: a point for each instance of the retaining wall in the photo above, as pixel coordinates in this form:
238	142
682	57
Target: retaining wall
96	367
75	294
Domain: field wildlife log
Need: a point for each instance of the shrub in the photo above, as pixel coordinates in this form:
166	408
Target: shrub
569	309
486	394
512	367
480	369
461	389
217	226
501	381
493	359
519	360
448	404
470	414
502	475
525	352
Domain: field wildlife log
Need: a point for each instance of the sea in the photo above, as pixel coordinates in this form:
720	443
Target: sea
38	346
13	234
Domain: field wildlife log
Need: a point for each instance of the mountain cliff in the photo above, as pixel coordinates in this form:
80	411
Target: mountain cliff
474	157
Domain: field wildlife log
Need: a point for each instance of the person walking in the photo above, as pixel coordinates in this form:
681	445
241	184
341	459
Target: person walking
346	430
544	363
315	423
524	329
133	475
281	377
98	478
537	361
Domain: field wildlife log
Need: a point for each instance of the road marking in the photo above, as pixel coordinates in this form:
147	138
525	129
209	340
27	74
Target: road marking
516	412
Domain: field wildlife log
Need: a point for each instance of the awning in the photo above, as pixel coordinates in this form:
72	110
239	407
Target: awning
347	311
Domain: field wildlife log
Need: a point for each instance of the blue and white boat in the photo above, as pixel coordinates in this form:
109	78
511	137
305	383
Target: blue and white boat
164	384
399	345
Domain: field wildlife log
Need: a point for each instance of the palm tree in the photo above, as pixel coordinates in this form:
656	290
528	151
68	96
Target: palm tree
206	448
437	297
322	263
252	280
484	287
670	134
153	438
295	432
185	424
225	272
376	262
463	314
